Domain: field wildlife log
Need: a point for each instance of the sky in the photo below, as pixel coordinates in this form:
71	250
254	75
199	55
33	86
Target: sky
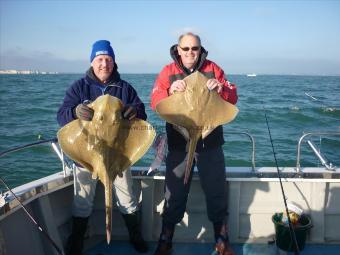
263	37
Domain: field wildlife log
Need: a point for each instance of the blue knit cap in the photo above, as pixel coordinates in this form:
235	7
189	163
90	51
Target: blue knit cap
102	47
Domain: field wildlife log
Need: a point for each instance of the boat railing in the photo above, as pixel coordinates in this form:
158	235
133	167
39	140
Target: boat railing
328	165
252	140
67	166
53	142
5	196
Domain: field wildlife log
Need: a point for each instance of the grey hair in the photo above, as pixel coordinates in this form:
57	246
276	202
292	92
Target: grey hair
190	34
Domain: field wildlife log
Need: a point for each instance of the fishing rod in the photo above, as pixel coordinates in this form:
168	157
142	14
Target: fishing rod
44	232
291	230
32	219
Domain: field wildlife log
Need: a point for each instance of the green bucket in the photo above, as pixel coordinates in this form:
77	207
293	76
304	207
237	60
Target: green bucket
282	233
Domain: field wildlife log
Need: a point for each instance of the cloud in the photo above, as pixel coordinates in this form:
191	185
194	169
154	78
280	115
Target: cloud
20	59
290	66
140	66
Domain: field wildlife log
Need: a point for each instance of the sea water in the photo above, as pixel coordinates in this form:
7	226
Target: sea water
293	105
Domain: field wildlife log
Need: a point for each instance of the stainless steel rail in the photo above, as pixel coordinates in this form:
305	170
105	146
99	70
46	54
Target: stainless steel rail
318	154
21	147
252	139
298	166
4	197
54	145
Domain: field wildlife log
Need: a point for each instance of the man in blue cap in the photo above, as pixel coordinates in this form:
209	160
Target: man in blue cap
102	78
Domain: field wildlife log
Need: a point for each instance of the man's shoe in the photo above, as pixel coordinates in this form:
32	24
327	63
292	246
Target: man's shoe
132	222
163	248
222	247
75	241
138	243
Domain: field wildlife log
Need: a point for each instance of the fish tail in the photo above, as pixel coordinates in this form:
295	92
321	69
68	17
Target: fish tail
108	207
191	153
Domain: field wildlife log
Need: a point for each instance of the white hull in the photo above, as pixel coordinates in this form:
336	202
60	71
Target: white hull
253	198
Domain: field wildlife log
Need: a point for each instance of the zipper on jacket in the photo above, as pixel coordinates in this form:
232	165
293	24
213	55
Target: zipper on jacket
110	85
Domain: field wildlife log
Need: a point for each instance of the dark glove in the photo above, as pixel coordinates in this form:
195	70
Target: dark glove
129	112
83	112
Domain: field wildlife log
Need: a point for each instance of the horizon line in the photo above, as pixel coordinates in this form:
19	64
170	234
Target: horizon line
156	73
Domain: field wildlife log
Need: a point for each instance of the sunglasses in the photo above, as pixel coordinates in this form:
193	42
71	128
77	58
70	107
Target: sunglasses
195	48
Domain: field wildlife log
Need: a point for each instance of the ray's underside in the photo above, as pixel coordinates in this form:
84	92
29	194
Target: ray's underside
195	113
107	145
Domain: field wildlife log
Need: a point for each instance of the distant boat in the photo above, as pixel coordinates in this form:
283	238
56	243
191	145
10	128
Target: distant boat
251	75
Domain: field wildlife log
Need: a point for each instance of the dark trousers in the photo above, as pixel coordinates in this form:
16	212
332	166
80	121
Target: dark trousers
211	169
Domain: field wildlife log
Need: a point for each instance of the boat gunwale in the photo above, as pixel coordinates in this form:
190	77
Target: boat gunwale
37	188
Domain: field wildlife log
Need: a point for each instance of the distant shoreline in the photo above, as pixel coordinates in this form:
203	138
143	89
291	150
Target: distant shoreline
25	72
29	72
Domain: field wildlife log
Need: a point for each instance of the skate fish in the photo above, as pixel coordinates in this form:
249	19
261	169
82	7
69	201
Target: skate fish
107	145
195	113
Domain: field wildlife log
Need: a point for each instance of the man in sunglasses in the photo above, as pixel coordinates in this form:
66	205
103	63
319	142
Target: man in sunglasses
101	78
189	56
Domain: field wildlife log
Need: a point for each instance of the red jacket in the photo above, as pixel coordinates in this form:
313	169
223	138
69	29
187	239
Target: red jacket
176	71
173	72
